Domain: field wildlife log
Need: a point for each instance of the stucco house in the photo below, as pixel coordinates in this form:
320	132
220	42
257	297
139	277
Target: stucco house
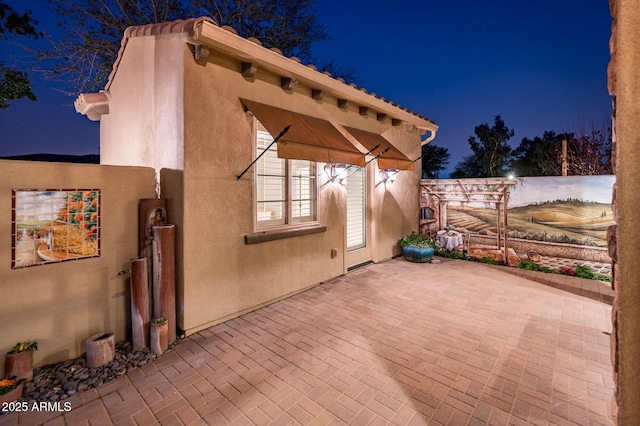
199	104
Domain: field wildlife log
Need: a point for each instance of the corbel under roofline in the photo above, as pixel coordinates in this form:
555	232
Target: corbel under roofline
93	105
245	50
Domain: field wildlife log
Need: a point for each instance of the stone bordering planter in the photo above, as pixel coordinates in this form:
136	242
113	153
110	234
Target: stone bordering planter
567	251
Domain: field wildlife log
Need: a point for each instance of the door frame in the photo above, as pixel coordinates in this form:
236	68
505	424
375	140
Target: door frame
362	255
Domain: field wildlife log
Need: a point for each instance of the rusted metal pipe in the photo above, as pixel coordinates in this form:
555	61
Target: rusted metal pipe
164	276
159	338
140	303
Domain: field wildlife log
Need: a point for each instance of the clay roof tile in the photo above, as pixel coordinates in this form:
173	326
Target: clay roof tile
230	29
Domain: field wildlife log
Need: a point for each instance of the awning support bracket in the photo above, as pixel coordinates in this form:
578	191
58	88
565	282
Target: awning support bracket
285	130
367	162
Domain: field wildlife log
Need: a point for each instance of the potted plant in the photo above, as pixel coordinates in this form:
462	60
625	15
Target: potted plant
159	340
162	320
19	360
418	247
10	389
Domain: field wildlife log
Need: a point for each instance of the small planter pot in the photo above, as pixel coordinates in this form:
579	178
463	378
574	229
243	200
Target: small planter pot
19	365
418	254
14	395
159	340
101	349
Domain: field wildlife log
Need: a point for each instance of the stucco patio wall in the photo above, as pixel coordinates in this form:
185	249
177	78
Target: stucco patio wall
60	305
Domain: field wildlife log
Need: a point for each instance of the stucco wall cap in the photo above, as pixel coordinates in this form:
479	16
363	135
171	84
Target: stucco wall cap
172	27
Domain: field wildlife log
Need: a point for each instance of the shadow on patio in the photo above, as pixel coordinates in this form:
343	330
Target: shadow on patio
401	343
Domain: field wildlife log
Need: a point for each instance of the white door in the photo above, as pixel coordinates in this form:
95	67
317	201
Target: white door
357	224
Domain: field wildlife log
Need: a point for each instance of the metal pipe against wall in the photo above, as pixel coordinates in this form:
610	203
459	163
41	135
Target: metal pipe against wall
164	276
140	303
151	212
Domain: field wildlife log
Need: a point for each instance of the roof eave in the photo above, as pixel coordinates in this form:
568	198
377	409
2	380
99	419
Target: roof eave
224	41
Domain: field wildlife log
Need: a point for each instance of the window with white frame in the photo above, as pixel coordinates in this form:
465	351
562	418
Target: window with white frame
285	189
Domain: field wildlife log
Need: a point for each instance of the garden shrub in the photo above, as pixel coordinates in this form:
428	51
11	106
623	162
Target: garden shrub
489	261
451	254
532	266
584	271
580	271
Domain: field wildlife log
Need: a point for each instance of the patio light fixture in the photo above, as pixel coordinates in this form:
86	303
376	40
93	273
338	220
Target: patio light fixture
336	171
388	175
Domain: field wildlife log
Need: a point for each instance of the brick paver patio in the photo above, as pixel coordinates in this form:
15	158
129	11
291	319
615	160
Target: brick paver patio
453	343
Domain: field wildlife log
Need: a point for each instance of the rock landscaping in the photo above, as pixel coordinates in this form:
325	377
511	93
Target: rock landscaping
56	382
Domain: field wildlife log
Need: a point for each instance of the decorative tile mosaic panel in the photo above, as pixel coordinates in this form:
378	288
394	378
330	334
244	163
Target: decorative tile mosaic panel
51	226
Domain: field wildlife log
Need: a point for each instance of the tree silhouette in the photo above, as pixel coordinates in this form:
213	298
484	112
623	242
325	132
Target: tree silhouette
490	149
434	160
93	29
14	84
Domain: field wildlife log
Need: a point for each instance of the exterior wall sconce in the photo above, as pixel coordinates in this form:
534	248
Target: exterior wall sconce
388	175
336	171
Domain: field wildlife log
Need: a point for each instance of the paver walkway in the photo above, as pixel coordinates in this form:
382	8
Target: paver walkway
451	343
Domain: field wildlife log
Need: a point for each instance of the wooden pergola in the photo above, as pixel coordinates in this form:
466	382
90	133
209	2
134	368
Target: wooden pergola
488	190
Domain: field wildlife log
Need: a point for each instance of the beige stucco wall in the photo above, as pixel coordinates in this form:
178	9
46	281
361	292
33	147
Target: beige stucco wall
224	277
627	130
397	205
60	305
144	124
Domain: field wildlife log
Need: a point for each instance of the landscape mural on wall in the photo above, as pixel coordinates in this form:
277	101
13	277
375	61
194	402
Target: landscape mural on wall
54	226
570	210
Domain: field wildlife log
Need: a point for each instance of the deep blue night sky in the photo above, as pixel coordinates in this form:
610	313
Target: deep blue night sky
541	65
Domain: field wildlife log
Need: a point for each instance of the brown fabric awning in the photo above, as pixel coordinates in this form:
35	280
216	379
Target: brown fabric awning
392	159
309	138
